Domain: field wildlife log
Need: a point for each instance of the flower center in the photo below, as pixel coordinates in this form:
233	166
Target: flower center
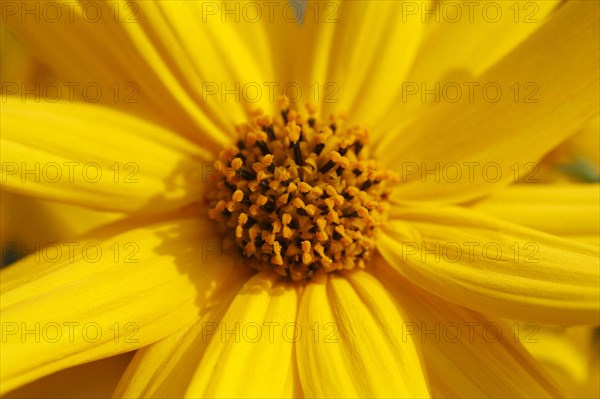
299	195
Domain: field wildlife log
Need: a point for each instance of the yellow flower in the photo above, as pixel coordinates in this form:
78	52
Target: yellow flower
425	315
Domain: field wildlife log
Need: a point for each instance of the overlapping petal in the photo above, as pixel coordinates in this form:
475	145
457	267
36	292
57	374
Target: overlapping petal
119	290
460	150
352	347
467	354
160	60
567	210
250	353
96	379
353	55
165	368
462	39
96	157
494	267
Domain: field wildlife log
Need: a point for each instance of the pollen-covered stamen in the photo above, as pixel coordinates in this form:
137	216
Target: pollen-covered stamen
300	194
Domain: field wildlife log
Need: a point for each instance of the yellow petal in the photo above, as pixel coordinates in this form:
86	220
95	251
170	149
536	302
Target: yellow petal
351	346
556	351
250	353
493	266
91	380
586	143
164	369
575	160
466	354
96	157
561	209
314	41
29	223
462	40
467	38
371	51
122	289
208	55
459	151
587	239
17	64
153	59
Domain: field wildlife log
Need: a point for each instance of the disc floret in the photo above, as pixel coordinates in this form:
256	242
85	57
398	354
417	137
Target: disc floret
300	195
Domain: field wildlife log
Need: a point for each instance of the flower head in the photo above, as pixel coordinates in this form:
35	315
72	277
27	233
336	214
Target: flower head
358	250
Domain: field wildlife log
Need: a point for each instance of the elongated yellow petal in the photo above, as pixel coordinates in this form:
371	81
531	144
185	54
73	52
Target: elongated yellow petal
561	209
208	55
84	300
96	379
165	368
314	39
352	347
372	49
159	60
250	354
493	266
96	157
28	223
557	351
466	354
587	239
467	38
462	40
461	150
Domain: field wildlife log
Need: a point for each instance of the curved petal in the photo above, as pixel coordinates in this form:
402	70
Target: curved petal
466	354
459	151
96	157
250	354
353	55
29	222
562	209
314	37
353	347
202	46
123	289
493	266
96	379
587	239
468	38
461	41
553	348
165	368
158	59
